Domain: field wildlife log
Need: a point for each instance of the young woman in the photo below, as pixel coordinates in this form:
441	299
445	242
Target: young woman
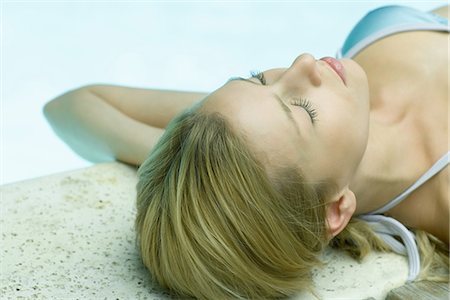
243	189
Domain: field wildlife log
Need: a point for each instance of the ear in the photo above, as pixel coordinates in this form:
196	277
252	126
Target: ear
339	211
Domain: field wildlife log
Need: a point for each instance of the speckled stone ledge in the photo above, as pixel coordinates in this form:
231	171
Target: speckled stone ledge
70	236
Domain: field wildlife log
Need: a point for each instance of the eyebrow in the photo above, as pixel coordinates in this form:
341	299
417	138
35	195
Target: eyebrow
288	112
243	79
283	105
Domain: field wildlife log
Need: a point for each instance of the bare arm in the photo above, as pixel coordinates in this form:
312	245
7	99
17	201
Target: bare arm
105	122
441	11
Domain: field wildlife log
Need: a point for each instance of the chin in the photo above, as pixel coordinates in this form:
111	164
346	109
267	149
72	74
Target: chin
353	69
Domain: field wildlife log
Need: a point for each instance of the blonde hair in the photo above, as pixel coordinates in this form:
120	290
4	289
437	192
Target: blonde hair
358	239
212	224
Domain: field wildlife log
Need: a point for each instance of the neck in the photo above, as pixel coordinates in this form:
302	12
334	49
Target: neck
379	178
369	179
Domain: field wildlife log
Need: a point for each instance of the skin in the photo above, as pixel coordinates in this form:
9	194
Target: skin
295	137
408	114
407	133
409	129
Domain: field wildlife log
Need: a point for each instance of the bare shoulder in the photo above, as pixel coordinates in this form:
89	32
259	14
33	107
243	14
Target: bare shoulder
441	11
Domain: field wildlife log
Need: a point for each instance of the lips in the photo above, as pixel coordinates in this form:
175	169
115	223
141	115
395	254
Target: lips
336	66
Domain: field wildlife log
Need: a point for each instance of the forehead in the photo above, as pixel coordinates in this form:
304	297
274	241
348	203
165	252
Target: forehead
235	100
234	91
243	103
254	112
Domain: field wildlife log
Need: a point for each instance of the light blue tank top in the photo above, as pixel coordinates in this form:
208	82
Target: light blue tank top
374	26
388	20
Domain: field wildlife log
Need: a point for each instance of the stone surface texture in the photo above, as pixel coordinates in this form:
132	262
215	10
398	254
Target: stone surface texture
70	236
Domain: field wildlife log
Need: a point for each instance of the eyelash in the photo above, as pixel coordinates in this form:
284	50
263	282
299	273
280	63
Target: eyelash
306	105
302	102
258	75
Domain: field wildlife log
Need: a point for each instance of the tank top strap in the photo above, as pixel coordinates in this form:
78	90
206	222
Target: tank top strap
386	228
436	168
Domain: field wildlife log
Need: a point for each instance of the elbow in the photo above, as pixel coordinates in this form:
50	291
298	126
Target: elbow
59	105
49	109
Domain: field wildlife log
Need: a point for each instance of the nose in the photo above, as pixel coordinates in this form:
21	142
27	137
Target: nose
304	68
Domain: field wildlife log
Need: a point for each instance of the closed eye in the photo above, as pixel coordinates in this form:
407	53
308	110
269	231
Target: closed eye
258	75
307	106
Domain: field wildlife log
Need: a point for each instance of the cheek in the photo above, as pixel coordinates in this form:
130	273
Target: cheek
343	141
353	70
360	84
345	119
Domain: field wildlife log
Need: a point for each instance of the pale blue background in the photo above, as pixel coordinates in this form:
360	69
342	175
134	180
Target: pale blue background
51	47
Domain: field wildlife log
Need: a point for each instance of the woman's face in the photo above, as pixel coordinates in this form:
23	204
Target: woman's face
306	115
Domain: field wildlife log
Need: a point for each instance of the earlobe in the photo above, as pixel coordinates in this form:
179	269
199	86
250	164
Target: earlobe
339	211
